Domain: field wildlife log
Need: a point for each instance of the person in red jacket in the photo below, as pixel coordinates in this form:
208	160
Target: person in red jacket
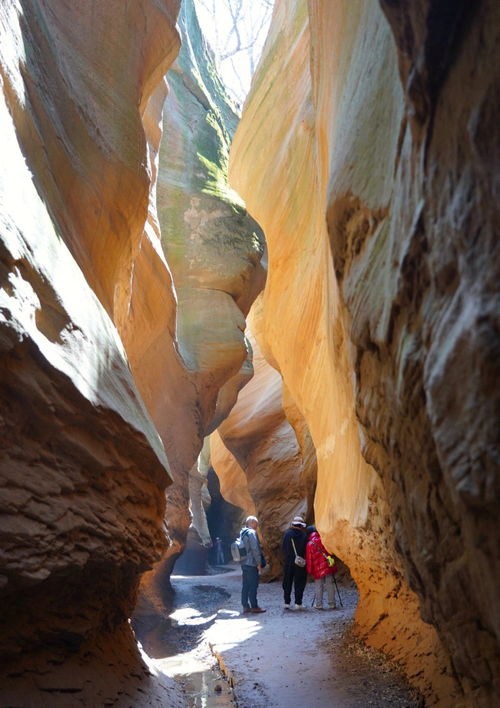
317	566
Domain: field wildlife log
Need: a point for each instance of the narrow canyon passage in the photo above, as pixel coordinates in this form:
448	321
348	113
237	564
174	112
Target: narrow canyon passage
268	292
280	659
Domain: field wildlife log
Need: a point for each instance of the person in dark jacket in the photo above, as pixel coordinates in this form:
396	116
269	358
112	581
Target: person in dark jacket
294	543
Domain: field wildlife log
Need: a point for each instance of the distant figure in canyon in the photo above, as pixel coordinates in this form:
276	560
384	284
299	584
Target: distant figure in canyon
252	563
219	552
294	544
319	567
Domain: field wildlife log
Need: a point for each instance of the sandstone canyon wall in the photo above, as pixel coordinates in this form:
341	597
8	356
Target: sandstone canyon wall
257	456
368	151
83	470
214	250
213	246
83	271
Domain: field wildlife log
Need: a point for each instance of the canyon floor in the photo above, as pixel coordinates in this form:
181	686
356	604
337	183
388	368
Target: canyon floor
306	659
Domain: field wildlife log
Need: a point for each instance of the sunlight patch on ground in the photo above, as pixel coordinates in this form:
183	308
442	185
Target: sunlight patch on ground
190	616
183	664
230	629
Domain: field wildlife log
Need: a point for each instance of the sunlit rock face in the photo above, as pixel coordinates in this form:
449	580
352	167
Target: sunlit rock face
214	249
213	246
366	151
83	470
259	461
88	117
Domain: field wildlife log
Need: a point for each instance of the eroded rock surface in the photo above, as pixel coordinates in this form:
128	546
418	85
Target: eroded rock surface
257	457
214	249
83	470
83	108
213	246
366	152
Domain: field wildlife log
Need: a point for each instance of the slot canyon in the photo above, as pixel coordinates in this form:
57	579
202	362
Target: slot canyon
297	308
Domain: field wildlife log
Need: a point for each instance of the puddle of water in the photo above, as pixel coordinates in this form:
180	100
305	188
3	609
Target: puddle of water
207	689
174	645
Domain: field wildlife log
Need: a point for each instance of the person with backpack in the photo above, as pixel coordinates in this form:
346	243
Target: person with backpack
294	572
252	562
320	568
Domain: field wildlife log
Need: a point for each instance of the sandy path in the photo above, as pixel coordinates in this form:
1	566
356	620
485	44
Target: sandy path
280	659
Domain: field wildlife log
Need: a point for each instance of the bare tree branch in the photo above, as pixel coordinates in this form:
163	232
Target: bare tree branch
236	29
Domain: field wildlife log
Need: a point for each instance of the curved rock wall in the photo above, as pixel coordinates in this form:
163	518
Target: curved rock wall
362	153
84	90
82	468
80	459
368	151
213	246
214	249
259	461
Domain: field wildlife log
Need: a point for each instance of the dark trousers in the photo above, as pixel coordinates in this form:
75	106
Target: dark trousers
293	575
250	583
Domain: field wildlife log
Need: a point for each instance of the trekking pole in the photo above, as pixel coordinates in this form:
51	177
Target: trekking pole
338	593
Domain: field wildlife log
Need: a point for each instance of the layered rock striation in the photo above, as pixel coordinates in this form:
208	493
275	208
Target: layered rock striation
82	467
102	349
214	250
362	152
213	246
257	457
368	151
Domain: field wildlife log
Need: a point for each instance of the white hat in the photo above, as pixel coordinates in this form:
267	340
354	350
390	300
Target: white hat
298	521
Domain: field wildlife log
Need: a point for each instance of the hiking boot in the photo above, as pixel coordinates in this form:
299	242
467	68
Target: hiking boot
256	609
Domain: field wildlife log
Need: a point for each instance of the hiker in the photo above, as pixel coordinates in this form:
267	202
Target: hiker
251	564
319	568
219	552
293	545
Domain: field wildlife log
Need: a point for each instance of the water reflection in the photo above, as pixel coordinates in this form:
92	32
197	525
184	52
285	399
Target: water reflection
177	647
208	690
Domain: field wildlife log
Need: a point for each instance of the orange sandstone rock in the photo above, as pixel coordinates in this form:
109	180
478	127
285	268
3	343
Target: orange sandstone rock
214	250
261	467
82	468
362	152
